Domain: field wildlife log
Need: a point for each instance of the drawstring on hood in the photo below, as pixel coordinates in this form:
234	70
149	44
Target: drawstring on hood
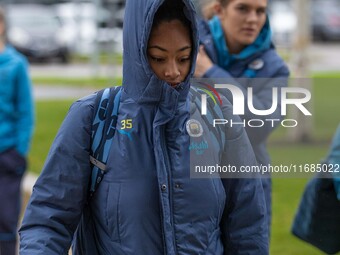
139	81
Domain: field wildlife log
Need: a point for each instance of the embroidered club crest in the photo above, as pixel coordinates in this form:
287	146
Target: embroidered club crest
194	128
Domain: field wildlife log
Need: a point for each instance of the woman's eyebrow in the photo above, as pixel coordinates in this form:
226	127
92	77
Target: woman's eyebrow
157	47
185	48
162	49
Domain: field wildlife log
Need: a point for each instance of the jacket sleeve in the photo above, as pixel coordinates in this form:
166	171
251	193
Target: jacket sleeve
24	109
244	224
244	228
334	158
262	98
60	192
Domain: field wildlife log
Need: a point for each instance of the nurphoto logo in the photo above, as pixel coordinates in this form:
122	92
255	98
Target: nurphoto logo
284	94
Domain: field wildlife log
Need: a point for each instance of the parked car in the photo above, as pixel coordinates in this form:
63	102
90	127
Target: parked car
326	20
85	27
35	31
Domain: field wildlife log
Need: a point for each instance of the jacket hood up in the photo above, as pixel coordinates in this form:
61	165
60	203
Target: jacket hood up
139	81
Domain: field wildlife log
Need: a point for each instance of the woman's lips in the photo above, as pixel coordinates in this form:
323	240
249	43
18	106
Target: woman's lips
249	30
173	84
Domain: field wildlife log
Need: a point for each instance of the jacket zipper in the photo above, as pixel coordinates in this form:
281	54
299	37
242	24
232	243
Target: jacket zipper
168	169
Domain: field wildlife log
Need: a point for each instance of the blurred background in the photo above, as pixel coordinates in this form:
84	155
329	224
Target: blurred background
47	30
75	48
44	29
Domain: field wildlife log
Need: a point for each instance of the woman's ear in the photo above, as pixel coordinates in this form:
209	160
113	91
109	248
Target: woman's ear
219	9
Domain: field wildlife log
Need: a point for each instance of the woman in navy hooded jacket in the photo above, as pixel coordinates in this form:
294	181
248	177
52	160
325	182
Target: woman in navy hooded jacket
147	203
236	46
16	126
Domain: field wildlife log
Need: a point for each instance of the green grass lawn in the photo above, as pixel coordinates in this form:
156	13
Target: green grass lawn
286	192
286	197
325	108
49	115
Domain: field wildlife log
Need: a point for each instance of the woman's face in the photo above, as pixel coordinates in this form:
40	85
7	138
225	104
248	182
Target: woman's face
169	51
242	21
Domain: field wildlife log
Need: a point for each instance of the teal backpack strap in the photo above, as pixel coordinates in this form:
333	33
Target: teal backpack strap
103	129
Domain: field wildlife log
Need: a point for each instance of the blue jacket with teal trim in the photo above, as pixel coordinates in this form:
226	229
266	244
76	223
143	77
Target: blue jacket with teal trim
259	67
147	203
16	103
271	71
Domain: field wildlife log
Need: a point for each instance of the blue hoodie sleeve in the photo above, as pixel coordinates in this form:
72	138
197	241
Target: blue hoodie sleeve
244	224
60	192
24	108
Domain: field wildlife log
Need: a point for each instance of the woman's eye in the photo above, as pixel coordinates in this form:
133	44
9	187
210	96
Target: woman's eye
156	59
183	60
242	8
261	11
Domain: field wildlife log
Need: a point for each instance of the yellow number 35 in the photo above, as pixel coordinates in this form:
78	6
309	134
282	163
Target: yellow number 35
127	123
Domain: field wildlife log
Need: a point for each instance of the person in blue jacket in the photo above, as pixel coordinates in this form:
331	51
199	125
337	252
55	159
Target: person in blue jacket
147	202
333	158
16	125
317	219
236	45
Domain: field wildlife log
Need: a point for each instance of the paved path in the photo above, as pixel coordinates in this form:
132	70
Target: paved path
74	70
321	57
325	57
28	182
60	92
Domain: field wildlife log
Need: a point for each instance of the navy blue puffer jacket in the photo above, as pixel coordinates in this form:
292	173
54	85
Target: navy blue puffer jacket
147	204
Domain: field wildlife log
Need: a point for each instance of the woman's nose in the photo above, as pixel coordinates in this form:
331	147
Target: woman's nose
172	71
252	16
